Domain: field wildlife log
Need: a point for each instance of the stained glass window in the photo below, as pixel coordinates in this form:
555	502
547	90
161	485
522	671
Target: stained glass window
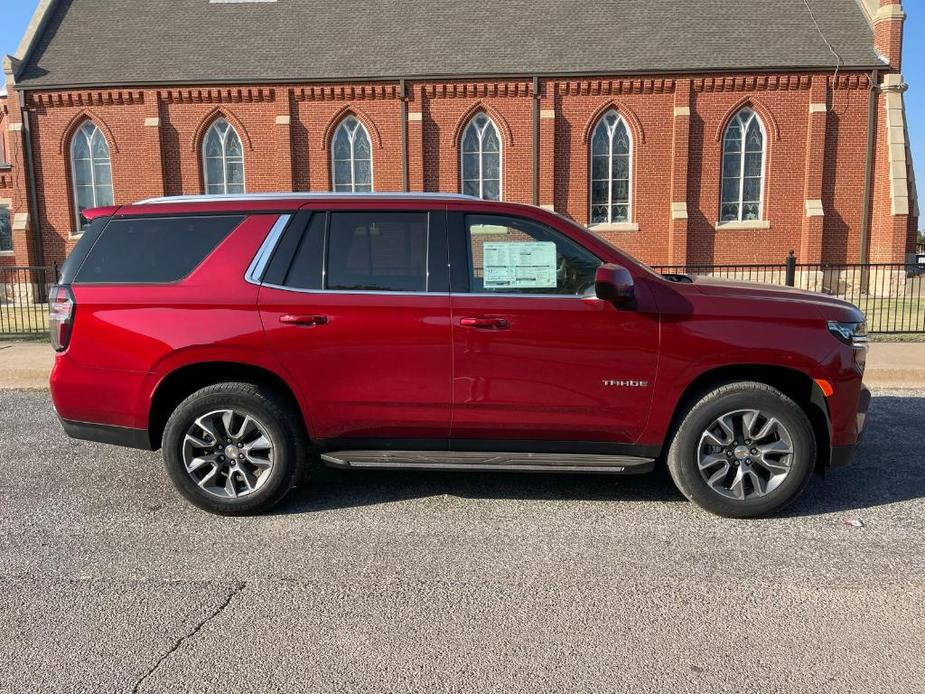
351	158
481	159
91	169
743	168
223	159
611	170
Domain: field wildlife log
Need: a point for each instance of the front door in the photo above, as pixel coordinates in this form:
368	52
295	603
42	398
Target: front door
356	319
537	356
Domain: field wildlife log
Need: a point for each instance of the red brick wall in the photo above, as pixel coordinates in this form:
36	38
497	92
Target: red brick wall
286	131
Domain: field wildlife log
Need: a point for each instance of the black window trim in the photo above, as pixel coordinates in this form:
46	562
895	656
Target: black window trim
436	236
465	247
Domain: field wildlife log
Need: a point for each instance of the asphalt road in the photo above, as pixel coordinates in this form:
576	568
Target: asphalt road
451	582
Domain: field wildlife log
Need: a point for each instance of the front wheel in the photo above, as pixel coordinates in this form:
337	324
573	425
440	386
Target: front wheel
233	448
744	450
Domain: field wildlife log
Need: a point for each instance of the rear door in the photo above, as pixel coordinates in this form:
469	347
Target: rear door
538	358
355	306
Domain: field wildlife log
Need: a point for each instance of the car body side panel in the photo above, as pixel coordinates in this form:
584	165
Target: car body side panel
126	338
702	333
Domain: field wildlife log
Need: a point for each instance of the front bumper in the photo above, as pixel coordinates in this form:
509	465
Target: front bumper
844	455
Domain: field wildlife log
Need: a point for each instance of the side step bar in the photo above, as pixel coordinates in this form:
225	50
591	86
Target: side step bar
460	460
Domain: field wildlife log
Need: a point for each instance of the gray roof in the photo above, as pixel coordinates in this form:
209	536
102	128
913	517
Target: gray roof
129	42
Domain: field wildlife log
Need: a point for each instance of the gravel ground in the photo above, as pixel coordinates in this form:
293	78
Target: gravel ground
452	582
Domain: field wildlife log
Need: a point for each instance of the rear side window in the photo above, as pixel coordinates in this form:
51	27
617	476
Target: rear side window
378	251
153	250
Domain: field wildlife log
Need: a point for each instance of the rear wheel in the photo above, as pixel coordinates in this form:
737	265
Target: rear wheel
744	450
233	448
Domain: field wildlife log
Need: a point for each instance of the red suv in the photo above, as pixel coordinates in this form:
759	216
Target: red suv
254	337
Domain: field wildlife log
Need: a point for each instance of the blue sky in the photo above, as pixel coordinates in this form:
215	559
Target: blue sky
16	14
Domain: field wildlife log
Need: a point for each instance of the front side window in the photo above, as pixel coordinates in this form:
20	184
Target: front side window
6	230
351	158
91	168
611	152
481	159
743	168
223	159
509	255
377	251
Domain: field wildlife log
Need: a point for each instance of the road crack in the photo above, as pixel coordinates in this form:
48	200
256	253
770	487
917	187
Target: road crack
237	588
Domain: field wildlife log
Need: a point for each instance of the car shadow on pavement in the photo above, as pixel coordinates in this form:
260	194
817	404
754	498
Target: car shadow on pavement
888	468
333	489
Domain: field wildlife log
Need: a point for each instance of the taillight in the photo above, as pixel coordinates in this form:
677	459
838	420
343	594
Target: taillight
60	316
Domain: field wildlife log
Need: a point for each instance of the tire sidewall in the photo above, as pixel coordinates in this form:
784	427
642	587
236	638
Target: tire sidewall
682	459
275	427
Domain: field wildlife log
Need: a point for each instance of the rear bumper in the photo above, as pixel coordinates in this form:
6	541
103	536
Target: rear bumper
105	433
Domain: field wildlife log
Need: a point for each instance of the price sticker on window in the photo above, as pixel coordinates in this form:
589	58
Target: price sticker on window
514	265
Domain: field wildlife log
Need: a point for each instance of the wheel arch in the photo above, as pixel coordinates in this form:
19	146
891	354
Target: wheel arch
185	380
793	383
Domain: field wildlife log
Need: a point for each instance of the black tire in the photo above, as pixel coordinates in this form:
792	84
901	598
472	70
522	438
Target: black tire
281	425
683	452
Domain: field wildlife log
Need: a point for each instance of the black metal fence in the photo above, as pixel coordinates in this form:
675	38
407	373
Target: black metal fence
892	295
24	299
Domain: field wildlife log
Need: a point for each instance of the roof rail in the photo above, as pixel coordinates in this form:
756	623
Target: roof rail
245	197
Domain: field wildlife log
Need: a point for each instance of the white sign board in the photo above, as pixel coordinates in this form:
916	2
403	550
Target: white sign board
516	265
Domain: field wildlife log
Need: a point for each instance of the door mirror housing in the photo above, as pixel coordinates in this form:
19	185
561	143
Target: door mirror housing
614	283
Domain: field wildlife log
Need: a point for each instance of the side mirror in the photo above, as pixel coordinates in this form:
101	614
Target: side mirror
614	283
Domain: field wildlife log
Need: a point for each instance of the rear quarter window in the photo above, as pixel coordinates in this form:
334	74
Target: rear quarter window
153	250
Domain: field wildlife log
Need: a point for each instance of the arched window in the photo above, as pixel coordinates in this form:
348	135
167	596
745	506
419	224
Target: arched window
611	170
481	159
91	170
351	158
223	159
743	168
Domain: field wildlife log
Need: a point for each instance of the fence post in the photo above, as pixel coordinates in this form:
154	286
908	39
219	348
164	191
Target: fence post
791	279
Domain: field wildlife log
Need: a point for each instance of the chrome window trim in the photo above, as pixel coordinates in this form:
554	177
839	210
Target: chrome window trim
352	291
580	297
259	264
349	292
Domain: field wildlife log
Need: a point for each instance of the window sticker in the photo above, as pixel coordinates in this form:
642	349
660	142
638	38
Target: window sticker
517	265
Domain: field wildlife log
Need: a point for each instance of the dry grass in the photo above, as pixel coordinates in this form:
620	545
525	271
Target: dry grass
23	320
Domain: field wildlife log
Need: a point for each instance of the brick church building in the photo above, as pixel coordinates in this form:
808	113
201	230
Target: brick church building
685	131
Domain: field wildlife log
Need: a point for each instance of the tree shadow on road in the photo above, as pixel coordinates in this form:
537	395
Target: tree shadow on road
889	468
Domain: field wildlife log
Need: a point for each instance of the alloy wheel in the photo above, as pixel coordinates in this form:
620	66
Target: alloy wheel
745	454
228	454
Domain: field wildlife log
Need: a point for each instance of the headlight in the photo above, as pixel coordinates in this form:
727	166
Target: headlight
851	334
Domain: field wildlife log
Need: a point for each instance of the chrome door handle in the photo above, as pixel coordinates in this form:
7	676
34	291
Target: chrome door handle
306	321
485	323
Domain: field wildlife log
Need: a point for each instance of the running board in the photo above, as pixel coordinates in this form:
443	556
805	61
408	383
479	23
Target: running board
467	460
